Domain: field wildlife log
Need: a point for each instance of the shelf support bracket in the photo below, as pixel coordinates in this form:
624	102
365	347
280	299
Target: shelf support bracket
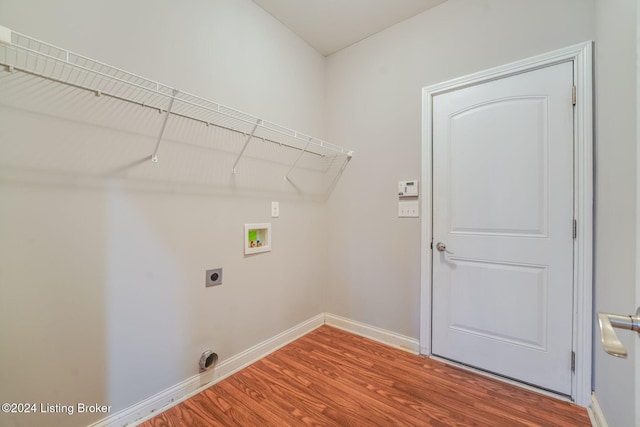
233	169
154	156
286	176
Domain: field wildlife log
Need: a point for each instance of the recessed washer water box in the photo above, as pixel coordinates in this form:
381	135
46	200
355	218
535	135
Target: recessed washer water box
257	238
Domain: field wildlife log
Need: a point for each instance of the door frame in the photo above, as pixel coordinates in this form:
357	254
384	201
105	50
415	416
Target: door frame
637	94
581	55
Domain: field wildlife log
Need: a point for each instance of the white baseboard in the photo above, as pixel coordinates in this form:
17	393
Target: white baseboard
595	413
153	405
377	334
162	401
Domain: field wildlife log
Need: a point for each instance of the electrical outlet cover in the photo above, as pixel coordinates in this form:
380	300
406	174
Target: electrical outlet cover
213	277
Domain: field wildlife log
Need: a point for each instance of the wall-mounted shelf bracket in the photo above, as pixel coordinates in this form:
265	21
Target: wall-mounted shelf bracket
259	122
286	176
154	156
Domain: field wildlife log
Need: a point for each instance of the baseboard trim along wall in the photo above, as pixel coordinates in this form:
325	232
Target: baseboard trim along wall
162	401
595	413
377	334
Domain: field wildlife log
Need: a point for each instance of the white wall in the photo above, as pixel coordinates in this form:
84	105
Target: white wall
616	166
374	104
637	343
102	253
231	52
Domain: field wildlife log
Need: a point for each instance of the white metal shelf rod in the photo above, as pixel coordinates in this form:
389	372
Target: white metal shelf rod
156	89
12	68
88	70
125	82
334	182
154	157
68	53
264	124
286	176
152	92
233	169
295	135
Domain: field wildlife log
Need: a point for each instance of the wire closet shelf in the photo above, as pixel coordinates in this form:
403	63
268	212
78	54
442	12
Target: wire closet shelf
26	54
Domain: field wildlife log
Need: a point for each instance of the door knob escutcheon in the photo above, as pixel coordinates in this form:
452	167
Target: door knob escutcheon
442	248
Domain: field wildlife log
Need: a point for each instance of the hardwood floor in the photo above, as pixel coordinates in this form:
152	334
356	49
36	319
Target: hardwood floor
332	378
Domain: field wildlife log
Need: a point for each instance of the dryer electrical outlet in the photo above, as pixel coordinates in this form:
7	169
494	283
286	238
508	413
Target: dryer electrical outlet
213	277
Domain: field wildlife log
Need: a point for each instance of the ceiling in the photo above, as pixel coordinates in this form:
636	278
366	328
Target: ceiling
331	25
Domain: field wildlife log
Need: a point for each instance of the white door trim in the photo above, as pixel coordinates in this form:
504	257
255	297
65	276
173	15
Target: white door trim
581	54
637	94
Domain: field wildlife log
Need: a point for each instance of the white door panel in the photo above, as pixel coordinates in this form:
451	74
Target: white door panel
493	202
503	205
470	281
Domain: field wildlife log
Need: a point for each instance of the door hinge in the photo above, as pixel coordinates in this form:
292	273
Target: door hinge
573	361
432	245
575	229
573	94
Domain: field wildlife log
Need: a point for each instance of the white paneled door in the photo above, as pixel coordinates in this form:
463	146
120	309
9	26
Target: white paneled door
503	226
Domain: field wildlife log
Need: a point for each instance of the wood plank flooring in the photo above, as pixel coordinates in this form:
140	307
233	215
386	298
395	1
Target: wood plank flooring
333	378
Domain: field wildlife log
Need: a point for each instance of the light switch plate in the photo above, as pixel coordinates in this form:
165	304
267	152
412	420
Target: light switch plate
408	209
275	209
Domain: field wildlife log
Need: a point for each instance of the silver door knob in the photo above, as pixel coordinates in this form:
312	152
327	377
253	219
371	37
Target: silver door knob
442	247
610	341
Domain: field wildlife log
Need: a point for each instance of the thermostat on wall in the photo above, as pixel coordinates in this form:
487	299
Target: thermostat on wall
408	188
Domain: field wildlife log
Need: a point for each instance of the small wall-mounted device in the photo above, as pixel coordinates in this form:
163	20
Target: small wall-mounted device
207	359
408	188
408	205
